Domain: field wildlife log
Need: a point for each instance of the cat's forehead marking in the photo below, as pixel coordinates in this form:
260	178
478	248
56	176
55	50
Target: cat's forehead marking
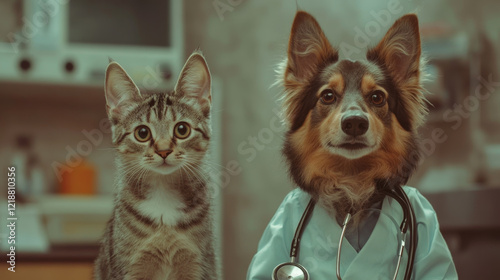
173	115
160	104
152	102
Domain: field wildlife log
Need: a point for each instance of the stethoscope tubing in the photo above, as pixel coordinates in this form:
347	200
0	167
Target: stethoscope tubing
294	249
342	235
400	196
413	232
344	227
409	222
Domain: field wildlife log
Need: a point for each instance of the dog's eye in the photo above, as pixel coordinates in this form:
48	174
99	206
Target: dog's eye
328	97
142	133
377	98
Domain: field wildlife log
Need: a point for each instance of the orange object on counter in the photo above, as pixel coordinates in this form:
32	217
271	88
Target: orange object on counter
82	180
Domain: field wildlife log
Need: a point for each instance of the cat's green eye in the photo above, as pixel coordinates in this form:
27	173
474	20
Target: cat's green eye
182	130
142	133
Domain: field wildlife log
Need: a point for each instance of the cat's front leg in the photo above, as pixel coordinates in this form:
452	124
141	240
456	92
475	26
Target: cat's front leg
186	265
146	267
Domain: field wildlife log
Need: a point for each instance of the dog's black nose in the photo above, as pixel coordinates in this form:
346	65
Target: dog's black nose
354	125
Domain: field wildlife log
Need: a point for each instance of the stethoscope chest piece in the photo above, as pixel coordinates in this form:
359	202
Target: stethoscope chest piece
290	271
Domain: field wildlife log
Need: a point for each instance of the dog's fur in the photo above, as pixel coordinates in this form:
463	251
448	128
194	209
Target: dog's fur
324	160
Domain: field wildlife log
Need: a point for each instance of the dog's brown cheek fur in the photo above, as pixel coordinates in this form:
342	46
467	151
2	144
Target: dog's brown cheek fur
346	183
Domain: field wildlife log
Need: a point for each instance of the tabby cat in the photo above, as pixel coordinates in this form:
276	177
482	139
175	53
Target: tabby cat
161	226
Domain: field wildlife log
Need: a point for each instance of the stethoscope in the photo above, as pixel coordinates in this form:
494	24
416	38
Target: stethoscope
293	270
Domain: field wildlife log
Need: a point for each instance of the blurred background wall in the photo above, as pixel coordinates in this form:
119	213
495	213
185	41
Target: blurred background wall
243	41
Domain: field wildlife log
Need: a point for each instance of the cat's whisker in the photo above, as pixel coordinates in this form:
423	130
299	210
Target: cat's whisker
131	173
199	175
212	165
192	172
216	166
189	171
197	164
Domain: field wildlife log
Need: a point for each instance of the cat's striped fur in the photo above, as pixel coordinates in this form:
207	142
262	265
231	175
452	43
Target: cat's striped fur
161	227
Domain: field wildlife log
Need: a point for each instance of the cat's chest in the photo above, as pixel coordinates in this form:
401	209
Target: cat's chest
162	205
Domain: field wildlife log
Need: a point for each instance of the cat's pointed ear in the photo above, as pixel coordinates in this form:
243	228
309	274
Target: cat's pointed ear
308	49
195	80
399	50
120	91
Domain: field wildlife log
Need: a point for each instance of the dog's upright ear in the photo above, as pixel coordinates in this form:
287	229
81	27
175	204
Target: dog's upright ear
308	53
399	50
308	49
399	54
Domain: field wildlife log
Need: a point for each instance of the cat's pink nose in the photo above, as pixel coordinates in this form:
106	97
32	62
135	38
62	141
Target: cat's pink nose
164	153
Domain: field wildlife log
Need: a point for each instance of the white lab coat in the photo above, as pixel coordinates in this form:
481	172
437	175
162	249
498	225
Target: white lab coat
376	260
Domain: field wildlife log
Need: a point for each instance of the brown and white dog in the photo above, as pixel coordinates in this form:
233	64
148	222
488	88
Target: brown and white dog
352	125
